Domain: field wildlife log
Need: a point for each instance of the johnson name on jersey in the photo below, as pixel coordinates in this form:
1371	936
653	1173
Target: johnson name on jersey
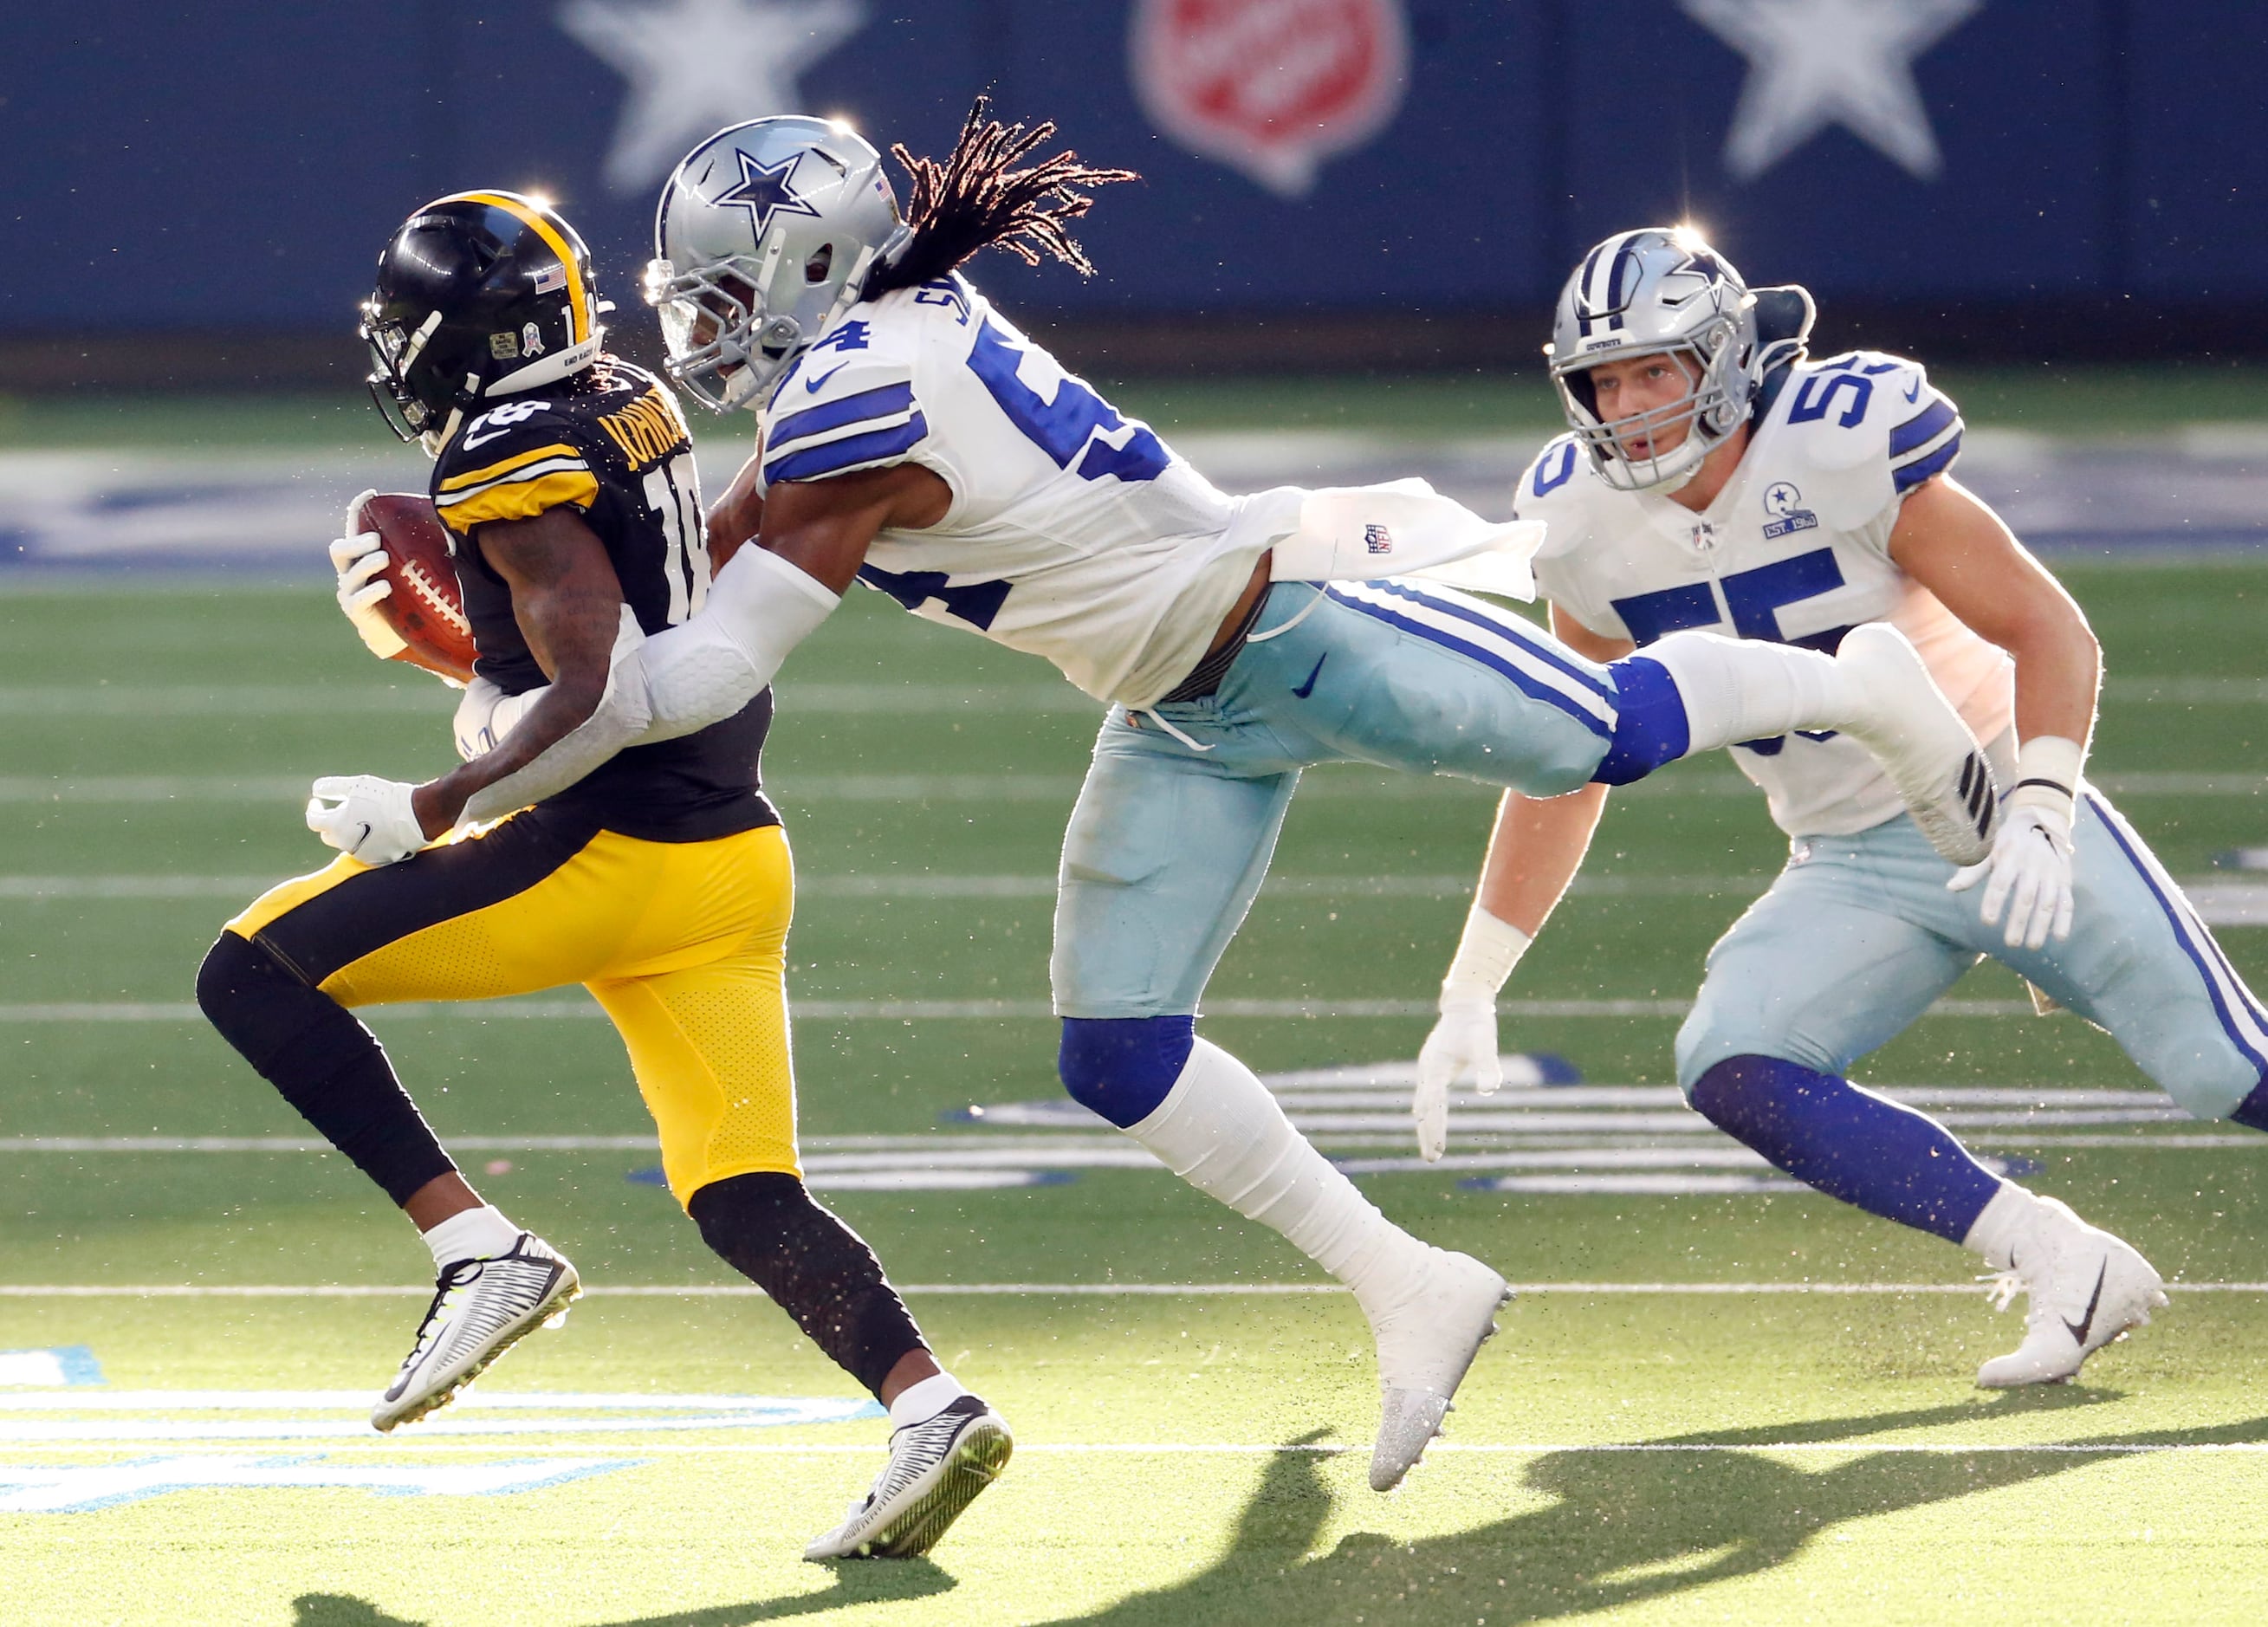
1074	533
1795	549
610	443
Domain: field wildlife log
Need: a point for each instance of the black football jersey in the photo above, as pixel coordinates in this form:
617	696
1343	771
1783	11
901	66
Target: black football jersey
610	443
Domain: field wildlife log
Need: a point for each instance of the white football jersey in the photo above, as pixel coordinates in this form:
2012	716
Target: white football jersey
1795	549
1074	533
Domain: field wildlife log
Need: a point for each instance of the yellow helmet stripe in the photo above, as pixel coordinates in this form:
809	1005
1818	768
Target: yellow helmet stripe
517	207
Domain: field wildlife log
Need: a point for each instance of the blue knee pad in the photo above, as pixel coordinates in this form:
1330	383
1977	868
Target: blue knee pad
1123	1067
1649	724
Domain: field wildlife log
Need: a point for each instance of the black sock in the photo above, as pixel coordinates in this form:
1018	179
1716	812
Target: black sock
817	1269
325	1063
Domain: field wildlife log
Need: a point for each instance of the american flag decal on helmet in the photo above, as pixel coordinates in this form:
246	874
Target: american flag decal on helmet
550	279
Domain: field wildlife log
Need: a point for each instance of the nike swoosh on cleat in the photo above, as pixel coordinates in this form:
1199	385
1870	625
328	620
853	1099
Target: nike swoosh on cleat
2078	1329
1308	688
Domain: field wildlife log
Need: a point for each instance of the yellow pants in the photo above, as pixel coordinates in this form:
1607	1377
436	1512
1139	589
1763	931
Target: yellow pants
683	943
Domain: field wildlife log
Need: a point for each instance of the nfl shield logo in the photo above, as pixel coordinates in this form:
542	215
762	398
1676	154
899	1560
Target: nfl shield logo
1377	540
1271	87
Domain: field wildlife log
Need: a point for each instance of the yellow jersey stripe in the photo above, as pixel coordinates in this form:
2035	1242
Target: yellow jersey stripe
541	227
518	460
522	499
533	472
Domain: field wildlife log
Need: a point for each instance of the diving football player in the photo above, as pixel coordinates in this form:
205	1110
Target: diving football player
911	438
1716	476
662	882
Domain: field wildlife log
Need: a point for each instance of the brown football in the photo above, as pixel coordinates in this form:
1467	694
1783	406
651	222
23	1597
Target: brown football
424	607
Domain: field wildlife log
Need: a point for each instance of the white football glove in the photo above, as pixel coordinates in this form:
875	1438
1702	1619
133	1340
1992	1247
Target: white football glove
365	817
357	557
2028	874
1462	1045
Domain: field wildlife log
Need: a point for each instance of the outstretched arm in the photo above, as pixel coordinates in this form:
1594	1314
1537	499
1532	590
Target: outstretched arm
1534	852
764	601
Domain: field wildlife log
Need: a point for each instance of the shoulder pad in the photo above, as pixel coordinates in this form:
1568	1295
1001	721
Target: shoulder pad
514	461
1871	425
848	403
1553	488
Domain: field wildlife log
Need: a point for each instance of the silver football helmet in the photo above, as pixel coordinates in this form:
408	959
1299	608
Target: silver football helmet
1661	291
763	237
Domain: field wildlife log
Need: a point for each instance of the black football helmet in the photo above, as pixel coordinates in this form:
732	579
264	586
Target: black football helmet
479	294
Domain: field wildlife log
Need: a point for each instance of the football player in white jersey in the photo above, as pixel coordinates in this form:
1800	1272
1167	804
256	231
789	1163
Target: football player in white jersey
1714	476
909	437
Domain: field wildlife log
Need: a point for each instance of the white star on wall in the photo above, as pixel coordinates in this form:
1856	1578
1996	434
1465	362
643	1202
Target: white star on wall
1816	62
694	66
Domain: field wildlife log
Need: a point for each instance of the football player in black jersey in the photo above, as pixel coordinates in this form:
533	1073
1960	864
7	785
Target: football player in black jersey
662	883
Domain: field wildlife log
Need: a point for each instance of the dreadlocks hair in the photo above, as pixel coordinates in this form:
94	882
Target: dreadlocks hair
976	198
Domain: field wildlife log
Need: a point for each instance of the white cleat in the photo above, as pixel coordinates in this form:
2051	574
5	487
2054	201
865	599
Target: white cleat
1426	1339
481	1309
935	1470
1922	743
2084	1287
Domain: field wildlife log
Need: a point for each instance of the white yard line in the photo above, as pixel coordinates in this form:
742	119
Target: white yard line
667	1291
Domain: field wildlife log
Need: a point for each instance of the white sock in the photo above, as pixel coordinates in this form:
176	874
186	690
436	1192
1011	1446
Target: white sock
1738	689
921	1401
1222	1132
480	1234
1994	1231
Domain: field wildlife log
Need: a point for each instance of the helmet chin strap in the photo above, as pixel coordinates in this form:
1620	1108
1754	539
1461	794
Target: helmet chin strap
434	440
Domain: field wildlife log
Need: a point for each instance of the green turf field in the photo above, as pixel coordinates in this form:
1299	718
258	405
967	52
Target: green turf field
1631	1447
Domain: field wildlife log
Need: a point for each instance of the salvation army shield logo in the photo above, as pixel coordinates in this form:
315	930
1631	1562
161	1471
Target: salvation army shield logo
1271	87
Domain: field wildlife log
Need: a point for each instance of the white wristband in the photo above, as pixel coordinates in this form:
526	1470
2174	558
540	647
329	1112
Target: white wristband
2047	775
1485	956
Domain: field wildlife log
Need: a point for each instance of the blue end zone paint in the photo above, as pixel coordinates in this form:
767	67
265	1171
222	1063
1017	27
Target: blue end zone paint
62	1364
80	1488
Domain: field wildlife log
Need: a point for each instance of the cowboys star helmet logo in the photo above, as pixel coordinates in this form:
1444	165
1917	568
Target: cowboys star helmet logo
765	190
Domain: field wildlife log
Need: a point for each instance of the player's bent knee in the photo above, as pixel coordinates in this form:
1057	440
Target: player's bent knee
1123	1067
1650	727
250	997
1703	1042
